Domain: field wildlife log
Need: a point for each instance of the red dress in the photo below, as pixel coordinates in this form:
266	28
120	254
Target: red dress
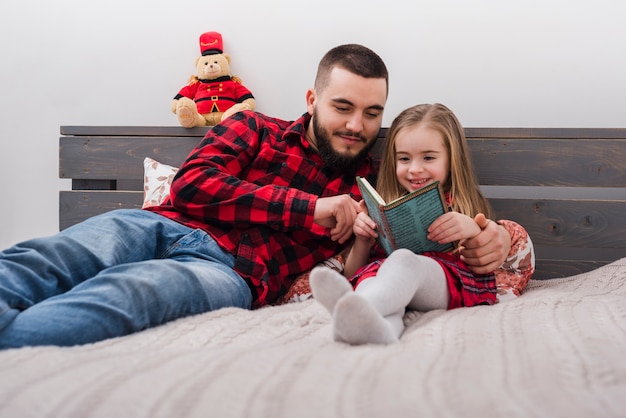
465	287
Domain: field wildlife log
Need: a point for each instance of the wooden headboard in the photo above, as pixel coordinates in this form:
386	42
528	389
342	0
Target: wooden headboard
567	186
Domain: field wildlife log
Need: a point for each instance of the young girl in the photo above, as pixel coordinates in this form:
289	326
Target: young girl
424	143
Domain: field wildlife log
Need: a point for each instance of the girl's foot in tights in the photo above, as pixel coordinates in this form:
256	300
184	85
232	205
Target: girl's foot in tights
328	286
356	321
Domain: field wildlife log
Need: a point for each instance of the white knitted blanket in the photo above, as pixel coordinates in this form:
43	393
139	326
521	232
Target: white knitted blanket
557	351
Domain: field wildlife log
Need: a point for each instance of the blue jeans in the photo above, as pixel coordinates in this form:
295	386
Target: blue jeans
112	275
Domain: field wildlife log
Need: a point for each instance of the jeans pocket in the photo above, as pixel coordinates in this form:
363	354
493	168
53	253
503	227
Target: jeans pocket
199	244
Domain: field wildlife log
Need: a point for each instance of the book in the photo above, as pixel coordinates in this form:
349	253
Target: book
403	222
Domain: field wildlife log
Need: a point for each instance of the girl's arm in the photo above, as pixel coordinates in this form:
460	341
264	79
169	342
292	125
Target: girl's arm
364	229
358	256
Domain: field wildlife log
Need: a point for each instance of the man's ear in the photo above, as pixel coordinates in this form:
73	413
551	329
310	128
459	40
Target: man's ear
310	100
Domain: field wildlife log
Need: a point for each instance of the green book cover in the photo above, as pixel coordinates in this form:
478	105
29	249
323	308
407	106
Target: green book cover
403	223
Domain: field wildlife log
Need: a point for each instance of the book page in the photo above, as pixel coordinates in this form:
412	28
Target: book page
411	218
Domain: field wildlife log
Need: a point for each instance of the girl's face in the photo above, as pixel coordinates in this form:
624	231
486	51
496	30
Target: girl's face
421	157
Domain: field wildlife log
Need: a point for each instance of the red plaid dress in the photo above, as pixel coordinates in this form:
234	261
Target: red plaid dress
465	287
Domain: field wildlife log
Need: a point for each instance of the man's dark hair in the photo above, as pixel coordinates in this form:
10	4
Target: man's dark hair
355	58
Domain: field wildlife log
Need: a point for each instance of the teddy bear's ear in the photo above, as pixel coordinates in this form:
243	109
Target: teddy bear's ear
227	56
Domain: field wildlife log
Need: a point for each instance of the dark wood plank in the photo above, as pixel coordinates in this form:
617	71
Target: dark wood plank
568	223
554	251
90	184
549	133
151	131
470	132
523	162
550	162
120	157
556	268
76	206
111	158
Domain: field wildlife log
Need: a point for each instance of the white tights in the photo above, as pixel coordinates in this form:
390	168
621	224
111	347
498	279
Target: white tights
373	313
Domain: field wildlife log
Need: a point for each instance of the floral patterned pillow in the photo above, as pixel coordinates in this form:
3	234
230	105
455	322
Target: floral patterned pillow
300	290
157	180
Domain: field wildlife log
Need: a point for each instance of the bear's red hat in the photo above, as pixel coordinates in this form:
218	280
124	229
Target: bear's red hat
211	43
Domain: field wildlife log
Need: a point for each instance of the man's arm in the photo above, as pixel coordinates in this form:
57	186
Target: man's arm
217	184
489	249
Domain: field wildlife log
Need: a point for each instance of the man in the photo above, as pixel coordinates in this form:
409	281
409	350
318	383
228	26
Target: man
258	202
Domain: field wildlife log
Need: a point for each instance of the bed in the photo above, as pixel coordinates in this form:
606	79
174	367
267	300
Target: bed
559	350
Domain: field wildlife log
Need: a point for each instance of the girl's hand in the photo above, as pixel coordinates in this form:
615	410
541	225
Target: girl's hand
364	227
452	226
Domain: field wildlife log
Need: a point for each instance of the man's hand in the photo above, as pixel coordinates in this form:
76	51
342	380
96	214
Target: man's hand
486	251
338	213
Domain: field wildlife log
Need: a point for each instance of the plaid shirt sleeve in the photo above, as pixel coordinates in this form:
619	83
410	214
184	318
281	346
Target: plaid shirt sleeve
225	181
252	184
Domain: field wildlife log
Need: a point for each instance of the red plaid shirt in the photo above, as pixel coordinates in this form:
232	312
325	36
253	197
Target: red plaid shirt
252	184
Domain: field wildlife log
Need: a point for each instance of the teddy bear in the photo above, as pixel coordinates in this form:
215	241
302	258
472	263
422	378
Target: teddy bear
213	93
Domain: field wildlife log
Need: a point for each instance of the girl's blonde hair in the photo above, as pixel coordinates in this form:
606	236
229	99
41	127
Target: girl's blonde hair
461	183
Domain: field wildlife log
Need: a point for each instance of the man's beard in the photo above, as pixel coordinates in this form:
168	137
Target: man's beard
342	162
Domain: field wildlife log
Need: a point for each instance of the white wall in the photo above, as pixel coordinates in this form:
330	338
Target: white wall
537	63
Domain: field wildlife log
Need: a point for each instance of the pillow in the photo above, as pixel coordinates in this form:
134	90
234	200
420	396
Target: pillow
300	289
156	181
